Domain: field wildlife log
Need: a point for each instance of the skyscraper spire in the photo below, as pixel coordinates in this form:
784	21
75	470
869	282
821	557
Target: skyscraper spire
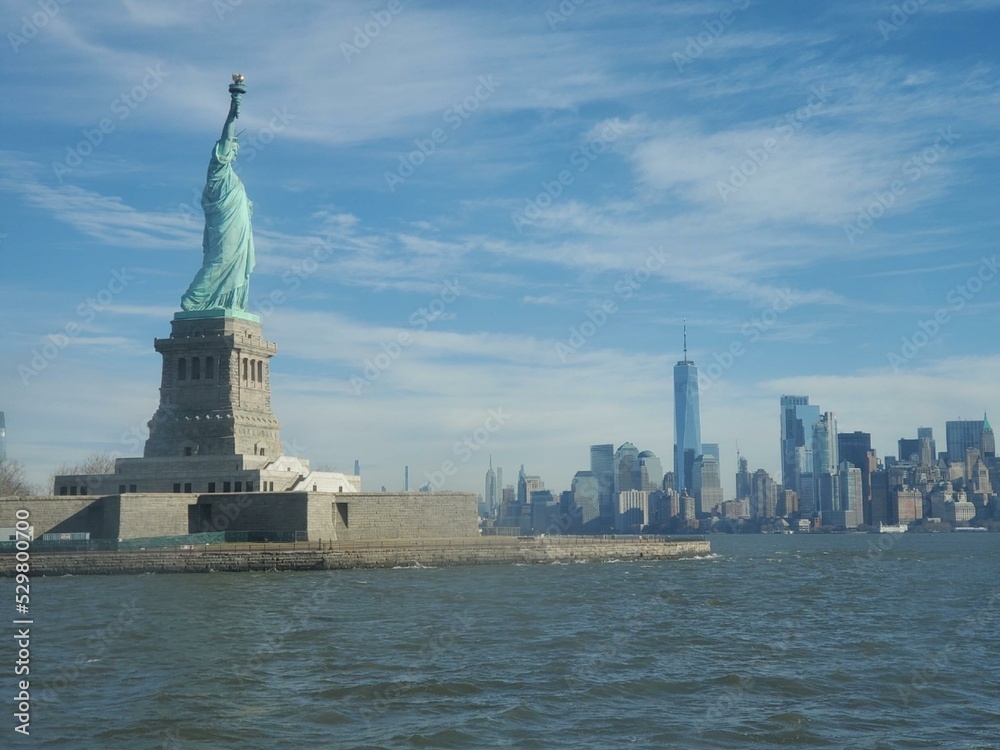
685	339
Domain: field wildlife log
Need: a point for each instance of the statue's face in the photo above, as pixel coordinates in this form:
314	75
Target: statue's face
233	150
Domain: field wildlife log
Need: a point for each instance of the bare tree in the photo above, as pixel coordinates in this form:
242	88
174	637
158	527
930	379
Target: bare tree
13	479
94	466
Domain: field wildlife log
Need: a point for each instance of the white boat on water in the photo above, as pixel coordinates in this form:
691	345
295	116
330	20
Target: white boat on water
971	528
886	528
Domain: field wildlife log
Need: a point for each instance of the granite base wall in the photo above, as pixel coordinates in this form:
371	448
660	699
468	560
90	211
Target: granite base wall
352	517
411	554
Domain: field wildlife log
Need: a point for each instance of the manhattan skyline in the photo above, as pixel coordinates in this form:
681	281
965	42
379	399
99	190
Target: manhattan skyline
812	189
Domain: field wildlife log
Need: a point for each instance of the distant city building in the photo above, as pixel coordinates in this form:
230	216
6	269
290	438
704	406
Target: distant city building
602	464
856	449
908	507
3	437
707	484
848	509
763	495
743	488
633	511
788	502
926	434
649	476
544	513
961	434
826	462
491	495
797	419
687	420
587	499
989	446
669	482
626	467
526	486
736	508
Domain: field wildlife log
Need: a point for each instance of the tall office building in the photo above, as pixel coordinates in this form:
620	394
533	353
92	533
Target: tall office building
826	462
707	484
797	419
626	465
3	437
687	420
602	464
962	434
743	486
491	495
989	448
856	449
586	497
927	447
847	511
649	474
763	495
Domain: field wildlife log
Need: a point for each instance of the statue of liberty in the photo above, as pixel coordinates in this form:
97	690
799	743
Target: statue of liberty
224	278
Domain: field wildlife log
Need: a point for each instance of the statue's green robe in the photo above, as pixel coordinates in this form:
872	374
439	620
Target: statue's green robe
224	278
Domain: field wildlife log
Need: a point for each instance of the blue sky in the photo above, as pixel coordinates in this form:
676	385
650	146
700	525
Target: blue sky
808	184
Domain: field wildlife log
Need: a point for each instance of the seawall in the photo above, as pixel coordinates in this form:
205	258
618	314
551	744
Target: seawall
435	553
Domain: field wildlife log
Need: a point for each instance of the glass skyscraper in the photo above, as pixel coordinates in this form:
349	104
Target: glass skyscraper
797	419
687	421
602	464
962	434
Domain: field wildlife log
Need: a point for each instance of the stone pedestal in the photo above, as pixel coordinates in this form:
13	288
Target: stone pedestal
215	391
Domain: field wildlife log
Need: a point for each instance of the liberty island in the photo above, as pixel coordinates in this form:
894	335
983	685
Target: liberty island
214	469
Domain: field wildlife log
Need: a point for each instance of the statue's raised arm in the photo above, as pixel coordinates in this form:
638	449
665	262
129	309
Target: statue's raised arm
223	282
